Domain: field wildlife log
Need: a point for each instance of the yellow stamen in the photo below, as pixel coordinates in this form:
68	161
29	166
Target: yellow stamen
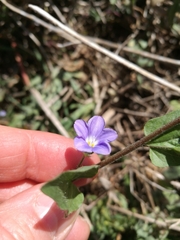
91	141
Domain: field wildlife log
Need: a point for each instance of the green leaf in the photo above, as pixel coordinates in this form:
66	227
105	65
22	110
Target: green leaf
113	2
175	7
63	191
175	104
164	149
55	71
82	110
172	173
164	157
158	122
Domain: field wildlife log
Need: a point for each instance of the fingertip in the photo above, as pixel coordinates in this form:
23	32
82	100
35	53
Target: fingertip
76	231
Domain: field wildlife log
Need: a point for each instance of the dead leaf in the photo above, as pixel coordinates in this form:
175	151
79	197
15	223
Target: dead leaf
72	66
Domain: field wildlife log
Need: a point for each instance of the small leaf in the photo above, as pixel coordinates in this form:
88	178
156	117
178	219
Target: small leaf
175	7
172	173
175	104
113	2
155	123
164	157
64	192
81	76
164	149
82	110
55	71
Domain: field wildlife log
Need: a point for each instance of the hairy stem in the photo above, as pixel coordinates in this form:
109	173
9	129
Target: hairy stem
139	143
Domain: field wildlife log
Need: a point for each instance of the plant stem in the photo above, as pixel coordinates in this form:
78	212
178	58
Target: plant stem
84	155
139	143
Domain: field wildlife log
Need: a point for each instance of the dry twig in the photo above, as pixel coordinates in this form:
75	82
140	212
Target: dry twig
160	223
135	51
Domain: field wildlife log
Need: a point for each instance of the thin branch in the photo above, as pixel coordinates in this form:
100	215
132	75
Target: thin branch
121	46
36	94
58	12
135	51
154	184
160	223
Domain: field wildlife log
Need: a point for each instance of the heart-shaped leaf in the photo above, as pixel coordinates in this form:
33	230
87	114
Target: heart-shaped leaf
165	148
63	191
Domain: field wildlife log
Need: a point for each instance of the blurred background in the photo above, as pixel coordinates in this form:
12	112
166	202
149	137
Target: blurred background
48	79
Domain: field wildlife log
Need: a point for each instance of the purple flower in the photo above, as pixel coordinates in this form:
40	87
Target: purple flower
2	113
93	136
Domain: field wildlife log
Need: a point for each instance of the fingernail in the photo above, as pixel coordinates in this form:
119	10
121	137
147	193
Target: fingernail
66	225
43	205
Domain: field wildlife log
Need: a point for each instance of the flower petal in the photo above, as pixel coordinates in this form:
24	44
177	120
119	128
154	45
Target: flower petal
81	128
96	125
102	148
82	145
108	135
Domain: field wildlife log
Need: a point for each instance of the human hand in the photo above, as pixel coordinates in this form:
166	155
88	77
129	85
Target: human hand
27	159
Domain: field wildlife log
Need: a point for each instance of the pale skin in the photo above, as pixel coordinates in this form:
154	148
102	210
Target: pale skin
27	160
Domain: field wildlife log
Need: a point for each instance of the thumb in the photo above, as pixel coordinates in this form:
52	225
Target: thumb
33	215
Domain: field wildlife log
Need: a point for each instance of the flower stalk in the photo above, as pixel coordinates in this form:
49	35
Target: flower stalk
82	159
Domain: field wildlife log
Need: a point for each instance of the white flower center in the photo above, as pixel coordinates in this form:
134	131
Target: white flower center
91	141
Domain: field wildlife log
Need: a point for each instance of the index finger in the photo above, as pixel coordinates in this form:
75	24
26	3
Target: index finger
35	155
